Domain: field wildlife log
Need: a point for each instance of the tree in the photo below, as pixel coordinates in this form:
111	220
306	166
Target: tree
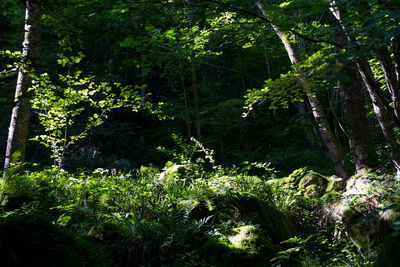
18	130
317	110
371	84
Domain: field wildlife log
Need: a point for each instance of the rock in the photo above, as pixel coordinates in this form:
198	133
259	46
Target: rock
250	240
248	246
358	185
335	184
365	221
248	210
313	185
313	191
312	178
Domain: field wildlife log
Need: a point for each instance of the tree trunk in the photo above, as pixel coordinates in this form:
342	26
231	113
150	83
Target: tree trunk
18	130
317	110
196	103
356	123
396	55
185	102
389	71
372	87
304	120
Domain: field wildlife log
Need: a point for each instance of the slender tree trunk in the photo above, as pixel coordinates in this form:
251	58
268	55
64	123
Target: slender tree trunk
372	87
196	103
304	120
396	55
317	110
187	116
381	113
389	71
18	130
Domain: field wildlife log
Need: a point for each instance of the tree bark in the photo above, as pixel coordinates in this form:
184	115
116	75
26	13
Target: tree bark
317	110
185	102
389	71
395	45
356	123
196	103
18	130
304	120
372	87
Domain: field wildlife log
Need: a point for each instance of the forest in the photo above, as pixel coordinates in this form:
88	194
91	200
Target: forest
199	133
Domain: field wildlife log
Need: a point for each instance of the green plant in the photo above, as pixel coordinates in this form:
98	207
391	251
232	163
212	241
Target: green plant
61	105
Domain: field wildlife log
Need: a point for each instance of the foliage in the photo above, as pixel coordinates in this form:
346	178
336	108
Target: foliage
60	105
149	217
127	203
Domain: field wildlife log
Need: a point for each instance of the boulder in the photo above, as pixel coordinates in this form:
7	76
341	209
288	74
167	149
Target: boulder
313	191
335	184
251	241
247	246
312	178
245	209
365	219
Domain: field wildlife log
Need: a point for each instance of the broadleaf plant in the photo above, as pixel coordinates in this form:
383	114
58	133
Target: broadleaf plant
62	103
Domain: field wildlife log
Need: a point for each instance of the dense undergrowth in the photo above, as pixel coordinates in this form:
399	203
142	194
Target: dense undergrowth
191	213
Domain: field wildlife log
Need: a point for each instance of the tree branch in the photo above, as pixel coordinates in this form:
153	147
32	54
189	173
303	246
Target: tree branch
264	19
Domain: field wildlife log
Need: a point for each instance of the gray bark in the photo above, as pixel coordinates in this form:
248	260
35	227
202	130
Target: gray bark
317	110
18	130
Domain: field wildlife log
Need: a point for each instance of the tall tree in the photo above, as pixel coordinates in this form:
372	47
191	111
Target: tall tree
317	109
372	86
356	123
18	130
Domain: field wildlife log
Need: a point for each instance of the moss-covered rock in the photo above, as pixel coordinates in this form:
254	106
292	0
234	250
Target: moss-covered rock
251	241
245	209
246	246
335	184
292	180
313	191
313	178
365	218
362	230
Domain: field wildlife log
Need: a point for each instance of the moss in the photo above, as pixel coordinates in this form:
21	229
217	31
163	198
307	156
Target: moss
335	184
280	182
332	196
313	191
247	209
251	241
349	215
247	246
313	178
